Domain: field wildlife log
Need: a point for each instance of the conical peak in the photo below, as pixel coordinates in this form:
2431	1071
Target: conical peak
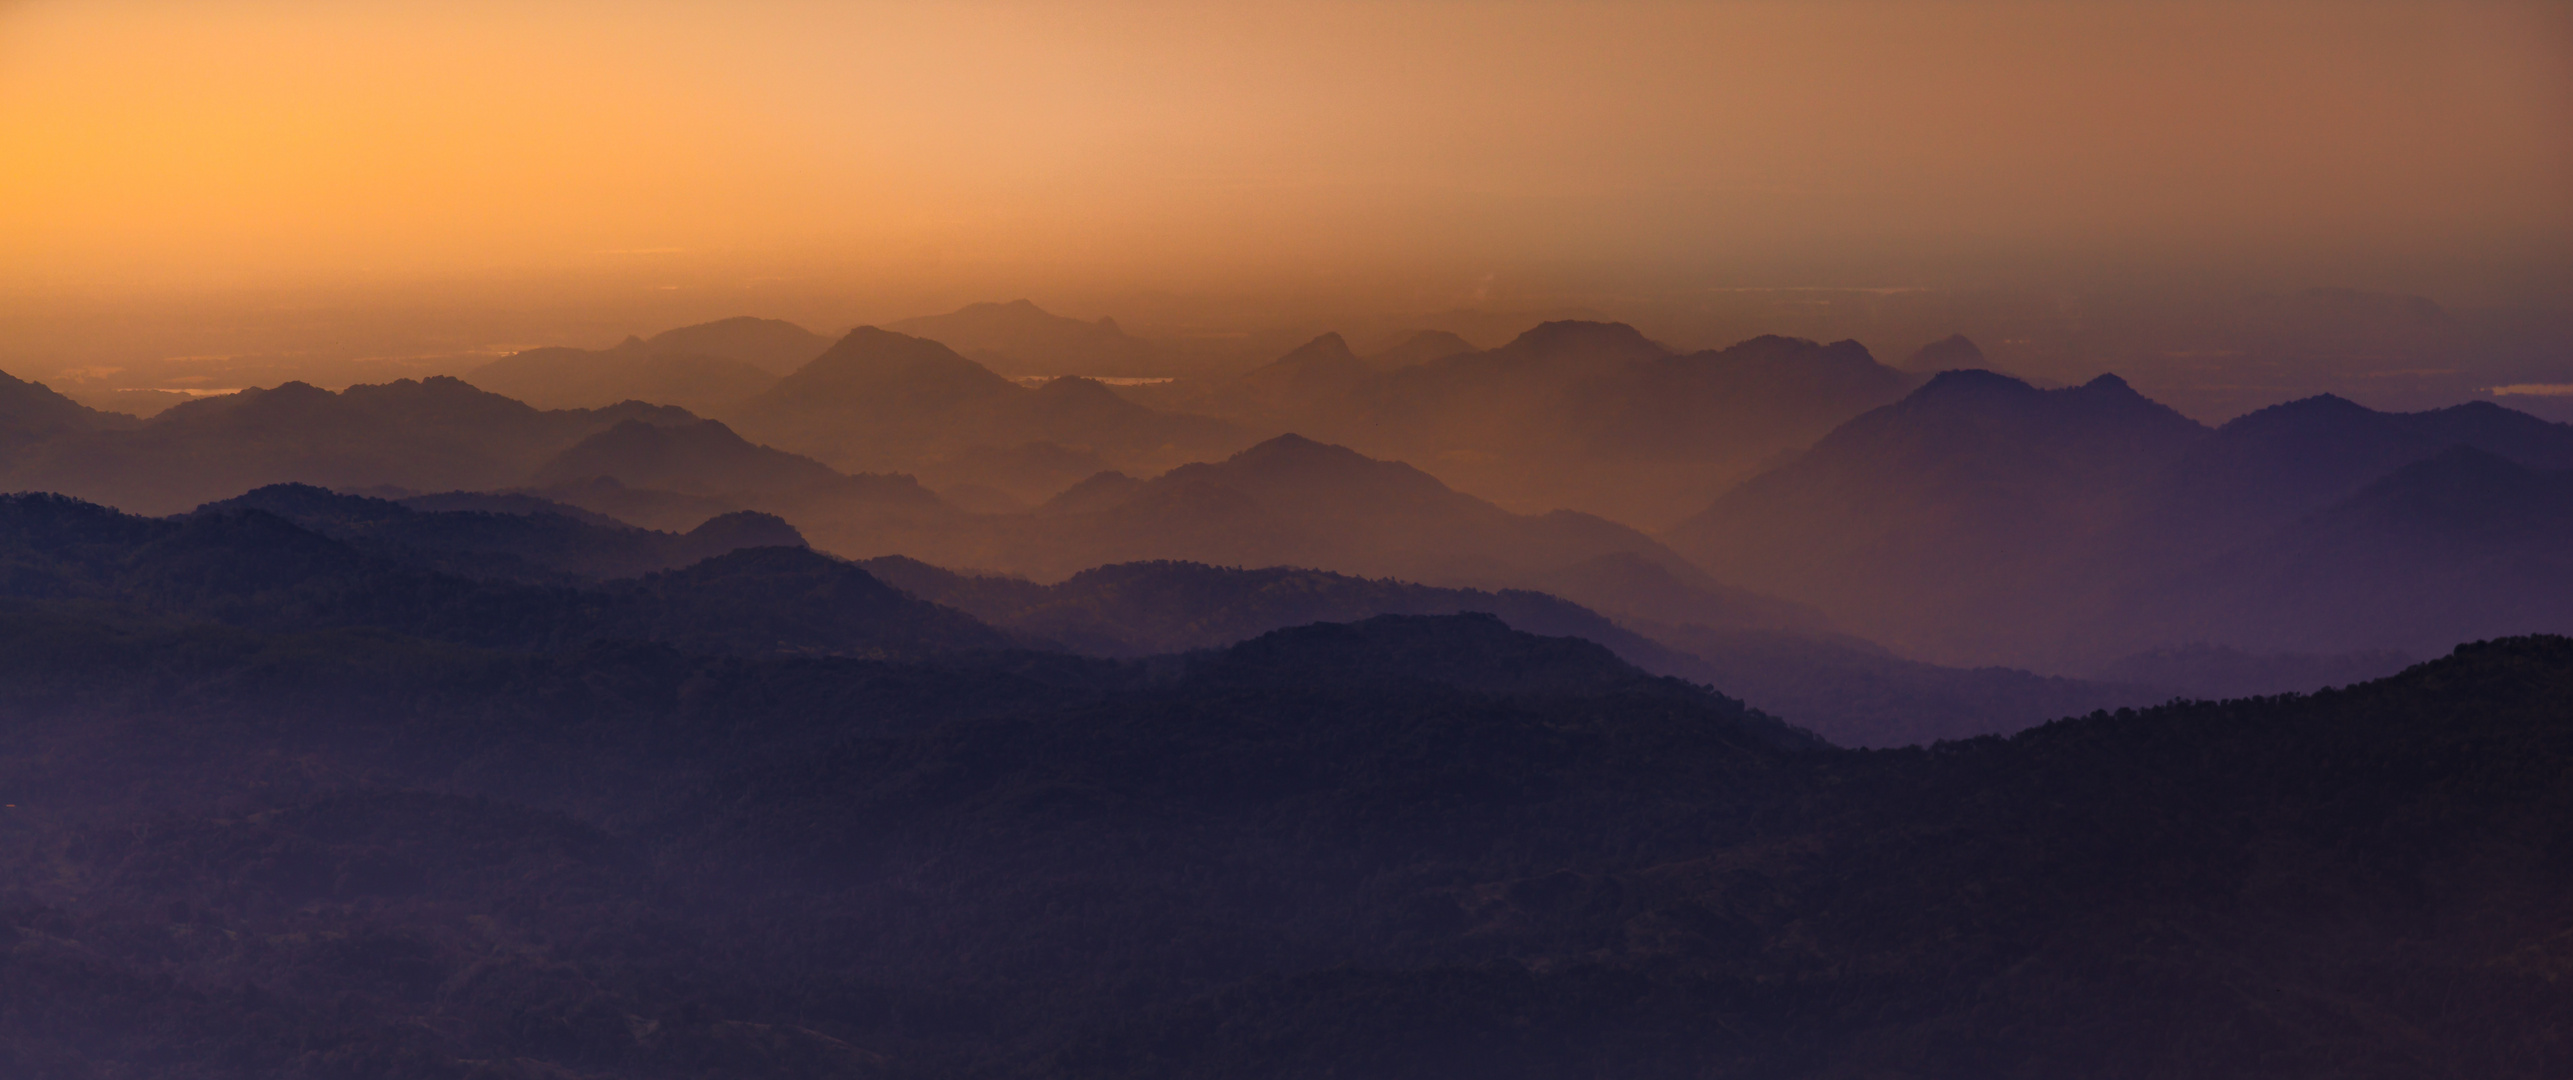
1947	353
1577	334
870	353
1971	381
2319	409
875	341
1296	450
1289	443
1328	346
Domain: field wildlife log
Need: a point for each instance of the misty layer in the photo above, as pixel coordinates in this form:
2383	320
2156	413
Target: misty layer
904	718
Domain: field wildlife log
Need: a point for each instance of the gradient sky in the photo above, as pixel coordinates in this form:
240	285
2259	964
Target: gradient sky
157	144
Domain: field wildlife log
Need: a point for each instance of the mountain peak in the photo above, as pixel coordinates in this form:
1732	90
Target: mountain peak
1566	334
306	502
772	345
868	353
1947	353
1473	650
1294	447
1971	381
1329	342
2319	409
745	529
1326	353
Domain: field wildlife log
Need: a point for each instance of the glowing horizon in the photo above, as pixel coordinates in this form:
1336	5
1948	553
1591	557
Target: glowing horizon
157	144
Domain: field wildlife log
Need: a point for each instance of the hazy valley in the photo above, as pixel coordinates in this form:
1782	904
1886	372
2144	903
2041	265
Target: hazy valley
1663	540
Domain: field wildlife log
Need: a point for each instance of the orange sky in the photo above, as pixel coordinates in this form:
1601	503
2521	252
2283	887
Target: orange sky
154	144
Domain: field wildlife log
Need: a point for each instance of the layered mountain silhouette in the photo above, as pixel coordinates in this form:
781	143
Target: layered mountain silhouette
1586	415
772	345
679	476
707	368
701	458
435	434
31	412
1983	520
515	537
2269	467
566	378
1401	846
1020	339
1957	522
1144	608
2463	545
1296	502
1955	352
457	576
880	400
1847	691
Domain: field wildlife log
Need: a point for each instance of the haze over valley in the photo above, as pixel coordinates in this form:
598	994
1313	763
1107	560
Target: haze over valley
1396	540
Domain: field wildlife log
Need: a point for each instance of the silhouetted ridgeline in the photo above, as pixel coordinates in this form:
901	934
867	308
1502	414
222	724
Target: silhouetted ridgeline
601	760
535	575
1846	690
879	400
246	566
432	435
1398	847
1982	520
1019	339
1582	415
1977	521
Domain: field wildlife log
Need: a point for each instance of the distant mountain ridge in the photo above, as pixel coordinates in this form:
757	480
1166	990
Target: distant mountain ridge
772	345
32	412
1981	519
564	378
1845	691
1294	501
879	400
1404	847
1587	415
1018	338
529	542
435	434
707	368
245	566
702	458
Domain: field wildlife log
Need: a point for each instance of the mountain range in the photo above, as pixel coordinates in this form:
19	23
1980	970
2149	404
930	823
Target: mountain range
568	378
1020	339
1983	520
1403	846
465	577
751	704
879	400
516	571
1582	415
1849	692
435	434
707	368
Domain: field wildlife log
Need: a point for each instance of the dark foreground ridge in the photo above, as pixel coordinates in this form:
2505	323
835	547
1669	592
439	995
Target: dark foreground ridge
244	842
